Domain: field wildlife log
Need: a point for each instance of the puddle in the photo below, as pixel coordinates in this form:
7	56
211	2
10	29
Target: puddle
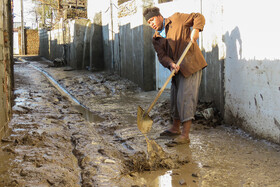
19	130
186	175
88	115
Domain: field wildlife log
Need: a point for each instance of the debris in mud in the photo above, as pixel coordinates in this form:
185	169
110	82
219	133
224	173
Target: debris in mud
58	62
194	175
9	150
207	114
182	182
140	162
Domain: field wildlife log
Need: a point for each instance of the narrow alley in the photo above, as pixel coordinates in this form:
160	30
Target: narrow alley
139	93
55	142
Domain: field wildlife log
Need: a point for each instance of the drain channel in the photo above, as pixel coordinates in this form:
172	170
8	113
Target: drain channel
58	86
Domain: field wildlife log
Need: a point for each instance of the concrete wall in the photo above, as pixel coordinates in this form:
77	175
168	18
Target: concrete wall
6	65
68	40
126	40
113	38
242	77
252	81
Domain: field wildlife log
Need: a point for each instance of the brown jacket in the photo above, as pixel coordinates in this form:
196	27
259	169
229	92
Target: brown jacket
178	31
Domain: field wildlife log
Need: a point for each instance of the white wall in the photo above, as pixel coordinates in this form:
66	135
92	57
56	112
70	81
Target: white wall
252	68
240	42
241	45
15	43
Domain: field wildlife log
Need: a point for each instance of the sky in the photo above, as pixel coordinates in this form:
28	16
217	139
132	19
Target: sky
28	13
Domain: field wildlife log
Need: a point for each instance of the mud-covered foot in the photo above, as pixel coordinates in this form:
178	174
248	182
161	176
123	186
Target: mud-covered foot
170	133
178	141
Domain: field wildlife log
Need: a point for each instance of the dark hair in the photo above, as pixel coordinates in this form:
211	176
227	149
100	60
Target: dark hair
151	12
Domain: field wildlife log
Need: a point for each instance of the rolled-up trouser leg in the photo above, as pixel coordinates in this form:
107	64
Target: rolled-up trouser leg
184	96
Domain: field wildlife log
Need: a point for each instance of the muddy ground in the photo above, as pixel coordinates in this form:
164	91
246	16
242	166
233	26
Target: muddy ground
53	141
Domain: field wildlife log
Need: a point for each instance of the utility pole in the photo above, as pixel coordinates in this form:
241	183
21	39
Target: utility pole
22	30
43	16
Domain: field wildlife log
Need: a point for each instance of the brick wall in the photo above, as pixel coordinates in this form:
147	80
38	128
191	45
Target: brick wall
6	69
31	41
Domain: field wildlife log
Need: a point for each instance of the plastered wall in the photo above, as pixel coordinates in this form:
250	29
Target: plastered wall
252	66
240	43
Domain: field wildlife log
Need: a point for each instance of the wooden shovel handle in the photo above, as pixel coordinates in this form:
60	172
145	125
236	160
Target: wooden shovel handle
170	76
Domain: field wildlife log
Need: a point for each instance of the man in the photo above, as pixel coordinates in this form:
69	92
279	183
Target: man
170	39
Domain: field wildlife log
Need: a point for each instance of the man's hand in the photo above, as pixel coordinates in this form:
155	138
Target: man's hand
194	35
174	66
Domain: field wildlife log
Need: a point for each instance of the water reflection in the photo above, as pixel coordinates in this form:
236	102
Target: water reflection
88	115
187	174
166	179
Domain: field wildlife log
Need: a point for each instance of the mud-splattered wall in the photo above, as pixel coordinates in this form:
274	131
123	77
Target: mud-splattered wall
6	62
251	71
242	78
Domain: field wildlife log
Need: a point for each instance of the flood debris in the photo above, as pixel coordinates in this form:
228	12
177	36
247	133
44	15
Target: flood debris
208	115
182	182
155	158
58	62
52	144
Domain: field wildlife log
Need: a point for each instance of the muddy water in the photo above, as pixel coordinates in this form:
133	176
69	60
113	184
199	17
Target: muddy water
216	156
87	114
109	150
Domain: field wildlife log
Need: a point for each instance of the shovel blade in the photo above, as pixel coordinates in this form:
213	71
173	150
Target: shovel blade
144	121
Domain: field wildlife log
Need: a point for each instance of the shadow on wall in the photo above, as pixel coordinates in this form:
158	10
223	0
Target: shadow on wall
83	49
212	87
90	46
231	40
212	82
251	87
131	54
233	55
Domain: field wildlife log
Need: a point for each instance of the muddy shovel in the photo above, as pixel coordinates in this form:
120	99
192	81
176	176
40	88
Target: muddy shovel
144	121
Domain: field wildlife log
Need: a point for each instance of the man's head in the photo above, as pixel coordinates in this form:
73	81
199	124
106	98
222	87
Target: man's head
154	18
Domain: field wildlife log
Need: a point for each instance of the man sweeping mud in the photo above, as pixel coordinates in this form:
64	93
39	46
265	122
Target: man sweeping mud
170	39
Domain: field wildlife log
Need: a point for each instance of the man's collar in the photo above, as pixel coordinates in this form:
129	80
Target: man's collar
167	21
163	25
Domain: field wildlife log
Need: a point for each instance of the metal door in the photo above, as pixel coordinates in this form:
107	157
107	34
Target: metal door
162	74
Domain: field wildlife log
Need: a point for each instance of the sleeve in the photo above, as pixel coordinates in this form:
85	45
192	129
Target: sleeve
195	20
163	58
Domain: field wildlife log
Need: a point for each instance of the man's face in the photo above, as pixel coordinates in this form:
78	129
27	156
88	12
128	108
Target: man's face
156	23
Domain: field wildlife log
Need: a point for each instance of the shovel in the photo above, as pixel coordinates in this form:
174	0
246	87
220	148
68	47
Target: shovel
144	121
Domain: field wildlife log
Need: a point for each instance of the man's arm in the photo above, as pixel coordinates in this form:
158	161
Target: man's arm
163	58
194	35
195	20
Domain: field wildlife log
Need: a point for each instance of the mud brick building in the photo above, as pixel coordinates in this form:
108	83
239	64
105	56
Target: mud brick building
74	9
6	70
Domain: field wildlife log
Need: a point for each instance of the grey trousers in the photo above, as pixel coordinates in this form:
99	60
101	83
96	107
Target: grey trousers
184	96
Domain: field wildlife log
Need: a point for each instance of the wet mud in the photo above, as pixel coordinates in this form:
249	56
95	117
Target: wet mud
55	142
